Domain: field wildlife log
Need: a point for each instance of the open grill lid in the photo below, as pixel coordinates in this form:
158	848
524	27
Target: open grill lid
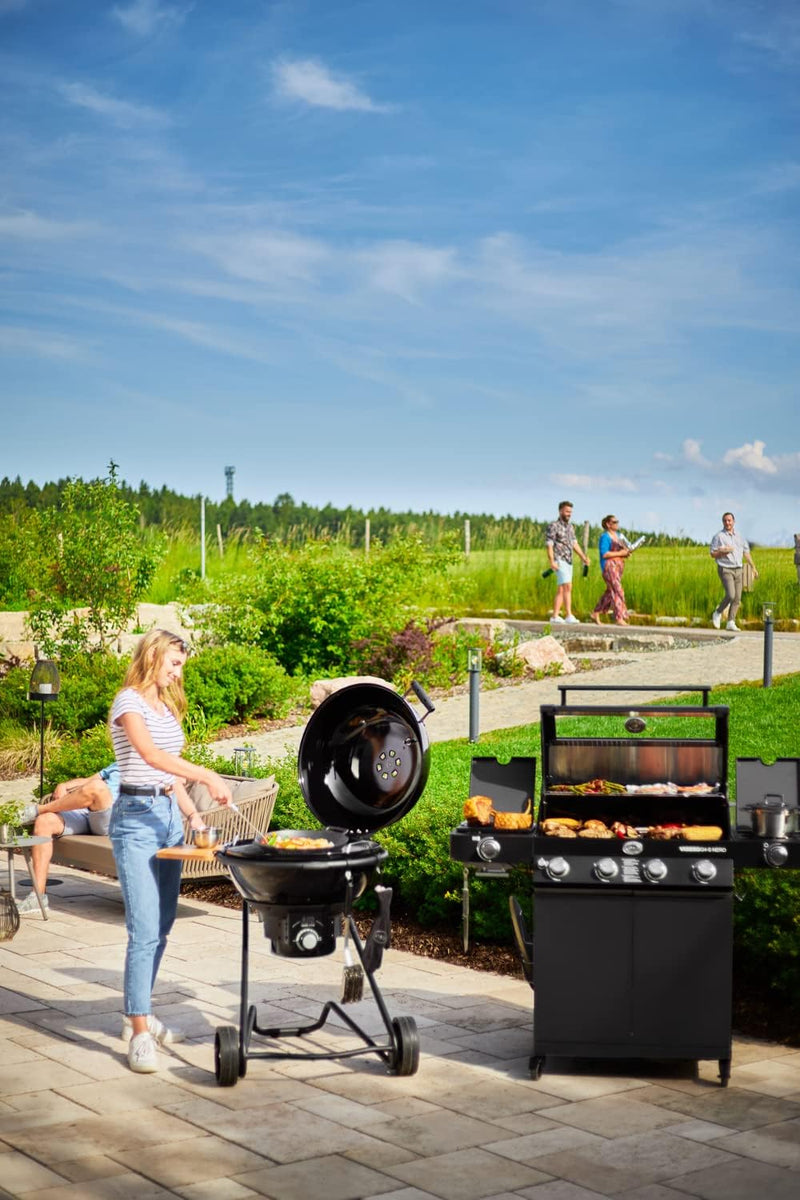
364	758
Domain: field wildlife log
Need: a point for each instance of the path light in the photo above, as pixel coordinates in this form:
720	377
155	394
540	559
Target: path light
45	684
474	668
768	610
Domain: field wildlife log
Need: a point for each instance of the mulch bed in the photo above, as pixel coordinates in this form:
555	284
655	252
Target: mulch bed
755	1013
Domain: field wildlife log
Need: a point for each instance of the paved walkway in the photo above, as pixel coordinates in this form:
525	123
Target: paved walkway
470	1125
709	658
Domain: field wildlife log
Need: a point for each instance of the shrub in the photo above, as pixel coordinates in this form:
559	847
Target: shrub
767	932
233	683
89	681
80	759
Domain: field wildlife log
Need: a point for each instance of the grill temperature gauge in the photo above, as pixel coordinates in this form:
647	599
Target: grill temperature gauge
488	848
606	869
704	870
655	870
307	939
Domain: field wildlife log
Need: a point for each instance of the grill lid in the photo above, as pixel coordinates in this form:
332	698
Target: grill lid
364	758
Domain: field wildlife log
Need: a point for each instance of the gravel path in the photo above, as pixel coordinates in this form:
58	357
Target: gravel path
710	658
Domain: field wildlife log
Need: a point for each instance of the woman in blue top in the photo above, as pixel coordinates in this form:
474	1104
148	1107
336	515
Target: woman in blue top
147	736
612	563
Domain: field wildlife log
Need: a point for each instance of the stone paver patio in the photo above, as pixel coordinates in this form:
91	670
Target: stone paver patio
471	1125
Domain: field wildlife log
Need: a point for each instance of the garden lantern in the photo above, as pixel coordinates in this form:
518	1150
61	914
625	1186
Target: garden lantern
45	684
474	669
768	610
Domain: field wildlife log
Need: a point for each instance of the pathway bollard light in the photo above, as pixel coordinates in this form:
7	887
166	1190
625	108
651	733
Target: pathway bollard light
474	669
768	609
44	685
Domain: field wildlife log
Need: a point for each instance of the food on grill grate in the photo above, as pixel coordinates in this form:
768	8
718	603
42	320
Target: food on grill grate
592	787
478	810
595	831
701	833
621	830
671	789
512	820
297	843
563	831
560	822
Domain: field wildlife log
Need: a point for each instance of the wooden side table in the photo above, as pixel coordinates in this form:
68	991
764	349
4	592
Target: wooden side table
23	844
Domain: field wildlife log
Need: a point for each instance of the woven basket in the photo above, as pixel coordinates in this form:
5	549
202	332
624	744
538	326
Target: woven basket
9	917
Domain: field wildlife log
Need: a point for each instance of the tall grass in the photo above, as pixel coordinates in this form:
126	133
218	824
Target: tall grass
660	581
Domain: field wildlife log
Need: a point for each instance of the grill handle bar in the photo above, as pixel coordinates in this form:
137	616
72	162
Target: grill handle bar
705	688
423	698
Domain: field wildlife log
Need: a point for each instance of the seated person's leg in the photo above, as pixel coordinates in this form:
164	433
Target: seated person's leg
47	825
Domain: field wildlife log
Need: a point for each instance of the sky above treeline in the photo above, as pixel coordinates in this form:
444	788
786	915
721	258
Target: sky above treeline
474	256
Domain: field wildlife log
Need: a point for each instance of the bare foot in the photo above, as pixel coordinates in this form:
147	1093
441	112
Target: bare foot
595	617
623	622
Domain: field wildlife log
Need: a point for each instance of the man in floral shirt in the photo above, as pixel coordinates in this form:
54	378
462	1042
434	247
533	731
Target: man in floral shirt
561	542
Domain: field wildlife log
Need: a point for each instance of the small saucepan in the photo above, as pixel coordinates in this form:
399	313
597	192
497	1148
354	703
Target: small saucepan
772	818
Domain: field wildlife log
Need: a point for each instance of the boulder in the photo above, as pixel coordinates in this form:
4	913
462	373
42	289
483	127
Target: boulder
322	688
543	652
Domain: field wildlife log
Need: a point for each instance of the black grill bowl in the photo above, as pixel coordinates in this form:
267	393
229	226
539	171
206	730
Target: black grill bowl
301	878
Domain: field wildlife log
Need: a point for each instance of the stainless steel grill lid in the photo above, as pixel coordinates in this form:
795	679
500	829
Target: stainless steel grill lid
364	758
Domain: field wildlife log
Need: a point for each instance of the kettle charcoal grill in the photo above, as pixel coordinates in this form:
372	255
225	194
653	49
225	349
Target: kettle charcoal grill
363	763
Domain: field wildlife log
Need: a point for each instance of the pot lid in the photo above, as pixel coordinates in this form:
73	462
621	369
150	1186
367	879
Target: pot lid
364	758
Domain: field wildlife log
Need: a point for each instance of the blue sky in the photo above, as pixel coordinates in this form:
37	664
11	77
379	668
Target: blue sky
441	254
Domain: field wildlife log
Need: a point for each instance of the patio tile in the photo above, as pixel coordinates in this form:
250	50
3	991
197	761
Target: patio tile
128	1092
16	1002
36	1077
740	1180
438	1132
615	1116
97	1166
129	1186
467	1175
405	1194
36	1110
194	1161
776	1144
528	1147
770	1077
627	1162
21	1174
494	1098
559	1189
137	1130
332	1177
217	1189
734	1107
344	1112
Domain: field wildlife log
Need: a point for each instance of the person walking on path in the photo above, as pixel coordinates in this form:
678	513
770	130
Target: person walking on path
730	550
612	563
797	555
147	737
561	542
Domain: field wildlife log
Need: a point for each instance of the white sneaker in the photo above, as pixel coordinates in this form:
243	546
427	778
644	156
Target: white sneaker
142	1056
31	905
29	814
556	620
571	620
732	626
715	619
157	1029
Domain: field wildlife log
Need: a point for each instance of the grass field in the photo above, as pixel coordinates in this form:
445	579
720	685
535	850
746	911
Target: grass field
675	582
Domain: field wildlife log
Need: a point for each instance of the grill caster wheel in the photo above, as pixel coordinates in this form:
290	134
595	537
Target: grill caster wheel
724	1071
226	1055
536	1067
405	1059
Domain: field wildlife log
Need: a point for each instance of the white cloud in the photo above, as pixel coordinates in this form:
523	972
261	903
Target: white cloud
693	454
619	483
17	340
403	268
309	80
144	17
271	257
120	112
30	226
751	457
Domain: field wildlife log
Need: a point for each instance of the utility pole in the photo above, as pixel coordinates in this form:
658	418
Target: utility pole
229	482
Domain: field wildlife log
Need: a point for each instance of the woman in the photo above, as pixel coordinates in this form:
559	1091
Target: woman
147	737
612	564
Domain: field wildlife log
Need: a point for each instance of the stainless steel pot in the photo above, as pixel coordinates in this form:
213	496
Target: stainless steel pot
770	818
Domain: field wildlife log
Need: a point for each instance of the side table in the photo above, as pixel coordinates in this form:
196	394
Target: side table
24	845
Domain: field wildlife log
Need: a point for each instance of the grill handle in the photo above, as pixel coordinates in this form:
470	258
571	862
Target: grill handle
704	688
424	698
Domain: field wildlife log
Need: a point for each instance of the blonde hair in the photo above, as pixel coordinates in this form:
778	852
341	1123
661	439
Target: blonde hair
148	658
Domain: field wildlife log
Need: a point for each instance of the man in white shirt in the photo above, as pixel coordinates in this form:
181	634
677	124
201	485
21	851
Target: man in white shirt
729	549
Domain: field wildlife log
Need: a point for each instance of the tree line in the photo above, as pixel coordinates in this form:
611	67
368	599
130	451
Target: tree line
289	520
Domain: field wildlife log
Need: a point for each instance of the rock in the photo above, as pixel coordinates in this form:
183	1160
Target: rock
322	688
672	621
544	652
487	628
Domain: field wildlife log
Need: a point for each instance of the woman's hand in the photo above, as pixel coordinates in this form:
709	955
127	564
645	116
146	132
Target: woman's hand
196	821
218	789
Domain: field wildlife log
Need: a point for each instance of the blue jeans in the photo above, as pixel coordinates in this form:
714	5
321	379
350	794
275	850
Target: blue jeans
140	825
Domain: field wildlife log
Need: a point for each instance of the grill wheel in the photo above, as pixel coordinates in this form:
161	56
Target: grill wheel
406	1040
226	1055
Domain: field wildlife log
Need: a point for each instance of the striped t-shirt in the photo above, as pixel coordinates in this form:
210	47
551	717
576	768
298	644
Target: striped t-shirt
165	731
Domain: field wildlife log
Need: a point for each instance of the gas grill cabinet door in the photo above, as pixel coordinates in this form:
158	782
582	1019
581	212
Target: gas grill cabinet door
632	974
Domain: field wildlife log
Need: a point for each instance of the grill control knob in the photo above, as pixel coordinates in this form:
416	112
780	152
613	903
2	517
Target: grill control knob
488	849
775	854
606	869
557	868
307	939
704	870
655	870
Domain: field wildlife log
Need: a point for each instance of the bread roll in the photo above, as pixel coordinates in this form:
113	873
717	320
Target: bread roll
478	810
